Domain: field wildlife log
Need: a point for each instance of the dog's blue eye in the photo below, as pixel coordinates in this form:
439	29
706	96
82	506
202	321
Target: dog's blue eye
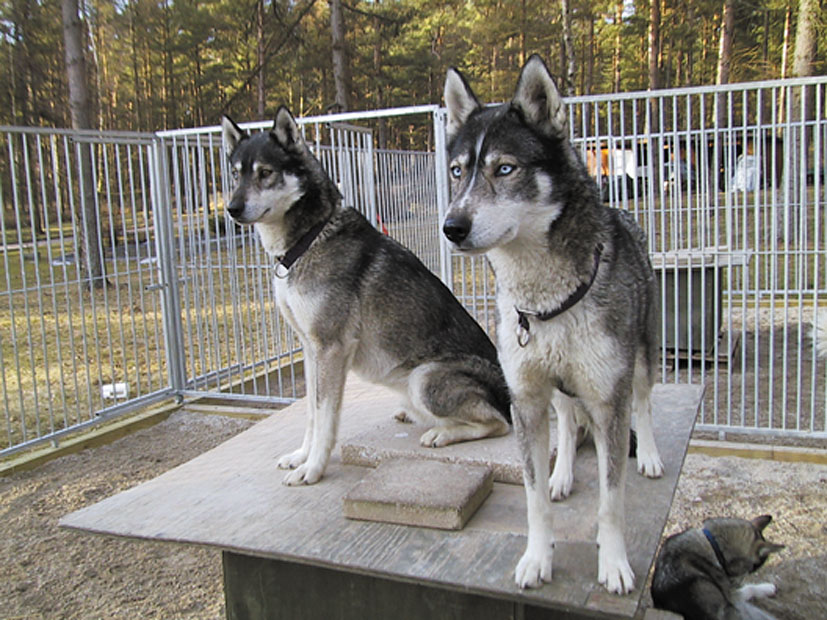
456	171
505	170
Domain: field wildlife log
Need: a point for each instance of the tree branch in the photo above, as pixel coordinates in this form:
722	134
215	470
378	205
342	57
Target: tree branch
254	73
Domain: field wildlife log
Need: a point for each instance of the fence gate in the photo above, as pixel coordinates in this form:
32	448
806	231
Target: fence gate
82	324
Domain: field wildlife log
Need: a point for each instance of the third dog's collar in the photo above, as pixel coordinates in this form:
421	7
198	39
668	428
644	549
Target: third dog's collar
523	325
717	549
294	253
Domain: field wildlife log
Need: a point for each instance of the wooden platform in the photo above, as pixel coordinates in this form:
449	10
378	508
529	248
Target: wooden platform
232	498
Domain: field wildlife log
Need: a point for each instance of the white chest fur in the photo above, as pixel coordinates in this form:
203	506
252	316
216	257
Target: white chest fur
569	349
298	309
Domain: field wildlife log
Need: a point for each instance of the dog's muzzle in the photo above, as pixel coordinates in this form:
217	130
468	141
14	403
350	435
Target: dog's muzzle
456	229
236	209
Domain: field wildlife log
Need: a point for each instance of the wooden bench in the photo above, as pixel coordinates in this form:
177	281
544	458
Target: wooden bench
290	553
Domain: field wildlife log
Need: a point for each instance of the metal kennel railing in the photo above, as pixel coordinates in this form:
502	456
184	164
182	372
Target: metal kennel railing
728	183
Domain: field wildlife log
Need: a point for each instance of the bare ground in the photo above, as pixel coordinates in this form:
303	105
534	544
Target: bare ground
52	573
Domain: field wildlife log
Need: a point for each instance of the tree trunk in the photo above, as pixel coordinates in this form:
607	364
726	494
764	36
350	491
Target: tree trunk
654	45
618	46
341	69
785	52
260	57
382	137
725	43
722	76
91	259
589	82
805	38
804	56
568	45
801	104
170	109
136	73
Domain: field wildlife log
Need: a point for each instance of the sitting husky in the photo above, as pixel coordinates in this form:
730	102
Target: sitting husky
575	299
357	299
698	571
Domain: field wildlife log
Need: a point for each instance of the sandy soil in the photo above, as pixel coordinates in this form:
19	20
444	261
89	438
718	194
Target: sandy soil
52	573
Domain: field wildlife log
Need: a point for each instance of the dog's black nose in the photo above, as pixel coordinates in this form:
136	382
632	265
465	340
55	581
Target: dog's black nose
235	209
456	228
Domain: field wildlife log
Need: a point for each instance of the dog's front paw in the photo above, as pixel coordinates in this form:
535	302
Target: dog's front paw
436	437
649	465
560	483
292	460
303	474
533	569
756	590
615	573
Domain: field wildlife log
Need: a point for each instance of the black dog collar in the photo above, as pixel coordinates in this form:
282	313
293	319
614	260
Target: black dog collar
523	330
295	253
718	554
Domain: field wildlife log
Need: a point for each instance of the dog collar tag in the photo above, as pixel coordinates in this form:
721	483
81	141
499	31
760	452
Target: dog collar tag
523	333
281	271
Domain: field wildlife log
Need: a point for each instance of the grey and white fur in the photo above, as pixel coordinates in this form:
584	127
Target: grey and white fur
521	194
699	573
358	300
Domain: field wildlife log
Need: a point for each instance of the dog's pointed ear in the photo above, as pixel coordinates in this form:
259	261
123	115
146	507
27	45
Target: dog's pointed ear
460	101
761	522
285	129
231	134
539	100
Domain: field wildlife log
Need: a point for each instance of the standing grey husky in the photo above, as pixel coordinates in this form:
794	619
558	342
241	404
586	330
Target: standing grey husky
357	299
575	299
699	571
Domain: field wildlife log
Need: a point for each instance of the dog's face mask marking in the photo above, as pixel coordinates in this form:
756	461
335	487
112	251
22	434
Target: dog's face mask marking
498	161
266	167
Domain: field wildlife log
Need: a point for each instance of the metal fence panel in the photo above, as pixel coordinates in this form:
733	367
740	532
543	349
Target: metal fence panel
76	344
728	183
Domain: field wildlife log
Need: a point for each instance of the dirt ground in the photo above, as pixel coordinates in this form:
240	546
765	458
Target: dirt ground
52	573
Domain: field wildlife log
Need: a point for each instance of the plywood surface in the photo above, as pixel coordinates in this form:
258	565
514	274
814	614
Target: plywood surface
232	498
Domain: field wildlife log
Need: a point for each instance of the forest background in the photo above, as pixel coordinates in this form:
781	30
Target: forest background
159	64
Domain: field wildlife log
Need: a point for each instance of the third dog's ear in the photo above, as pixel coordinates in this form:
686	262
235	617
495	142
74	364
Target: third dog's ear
285	130
539	100
231	134
761	522
460	101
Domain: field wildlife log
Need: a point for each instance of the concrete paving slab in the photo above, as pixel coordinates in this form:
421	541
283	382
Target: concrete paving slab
420	493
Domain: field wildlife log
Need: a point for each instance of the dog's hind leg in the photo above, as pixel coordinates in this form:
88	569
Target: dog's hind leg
457	400
292	460
562	478
329	384
648	459
531	425
611	438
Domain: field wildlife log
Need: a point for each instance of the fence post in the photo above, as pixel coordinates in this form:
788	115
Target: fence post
446	271
167	267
